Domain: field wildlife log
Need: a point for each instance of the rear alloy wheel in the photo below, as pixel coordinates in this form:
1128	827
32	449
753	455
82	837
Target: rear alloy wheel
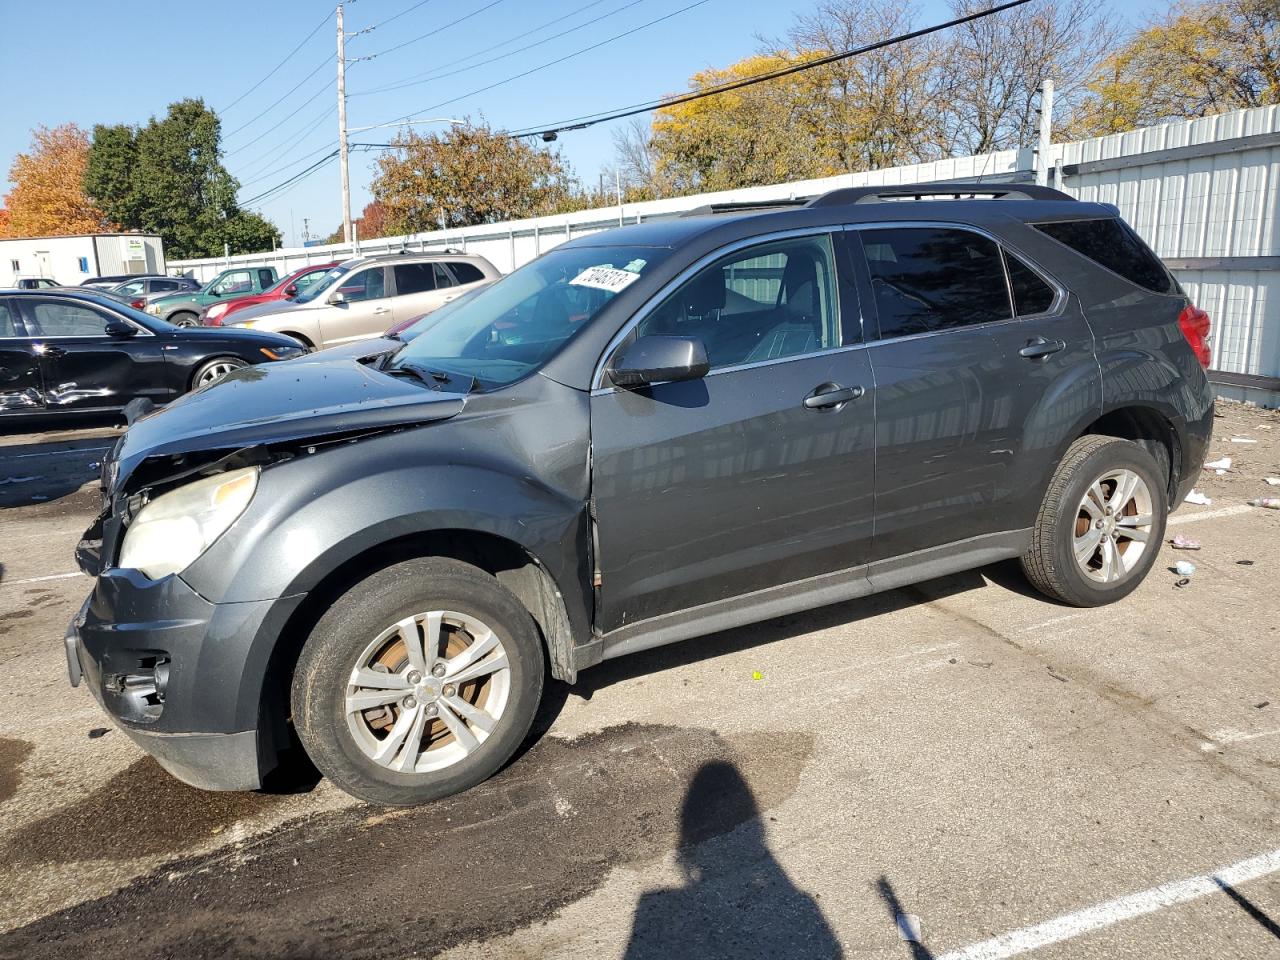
185	320
1101	523
419	682
215	370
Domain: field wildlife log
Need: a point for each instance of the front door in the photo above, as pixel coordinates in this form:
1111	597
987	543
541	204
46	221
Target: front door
19	368
365	310
82	367
714	488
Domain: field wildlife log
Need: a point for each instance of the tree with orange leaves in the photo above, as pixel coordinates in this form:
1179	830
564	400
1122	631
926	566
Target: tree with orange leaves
48	197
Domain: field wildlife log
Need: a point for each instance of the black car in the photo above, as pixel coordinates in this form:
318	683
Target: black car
71	351
643	436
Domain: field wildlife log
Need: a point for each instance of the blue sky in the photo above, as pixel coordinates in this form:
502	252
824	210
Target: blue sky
122	63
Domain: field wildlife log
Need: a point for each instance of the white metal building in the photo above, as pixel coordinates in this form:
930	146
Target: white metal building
71	260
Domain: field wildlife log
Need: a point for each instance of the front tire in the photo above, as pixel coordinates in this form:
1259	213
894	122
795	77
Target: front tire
419	682
185	320
1101	524
211	371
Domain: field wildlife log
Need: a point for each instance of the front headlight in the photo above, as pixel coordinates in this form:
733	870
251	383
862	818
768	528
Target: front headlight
174	529
282	353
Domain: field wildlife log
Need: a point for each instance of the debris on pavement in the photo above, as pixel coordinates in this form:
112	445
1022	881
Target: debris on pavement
757	675
1222	463
18	480
1195	496
1184	568
1184	543
1267	503
1274	481
97	732
1243	440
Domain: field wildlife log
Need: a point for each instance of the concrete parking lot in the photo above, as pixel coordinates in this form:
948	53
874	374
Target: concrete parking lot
962	760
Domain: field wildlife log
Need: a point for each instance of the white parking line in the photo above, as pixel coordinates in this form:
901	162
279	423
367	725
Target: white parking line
1114	911
1209	514
1223	737
55	576
51	453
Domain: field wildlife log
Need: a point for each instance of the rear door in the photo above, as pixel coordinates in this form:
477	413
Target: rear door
944	401
81	367
20	387
366	309
715	488
418	289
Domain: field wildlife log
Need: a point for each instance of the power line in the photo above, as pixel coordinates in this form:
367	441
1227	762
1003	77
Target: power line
266	133
568	56
324	63
431	33
432	75
581	123
290	141
279	65
381	23
268	174
294	179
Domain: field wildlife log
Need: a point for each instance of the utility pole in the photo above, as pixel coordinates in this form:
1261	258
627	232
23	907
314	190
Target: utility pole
342	129
1046	130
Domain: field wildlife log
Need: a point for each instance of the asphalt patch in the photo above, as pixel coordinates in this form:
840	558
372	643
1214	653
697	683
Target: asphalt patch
12	753
366	882
141	811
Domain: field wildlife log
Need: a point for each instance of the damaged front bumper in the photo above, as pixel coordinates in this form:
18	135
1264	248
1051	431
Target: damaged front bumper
177	675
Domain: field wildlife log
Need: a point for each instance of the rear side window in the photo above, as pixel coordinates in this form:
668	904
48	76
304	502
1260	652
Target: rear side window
414	278
442	277
1112	244
266	278
927	279
8	323
465	272
1031	295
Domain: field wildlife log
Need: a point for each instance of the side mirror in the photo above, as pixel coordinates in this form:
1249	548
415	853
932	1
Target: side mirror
337	297
659	360
291	290
118	328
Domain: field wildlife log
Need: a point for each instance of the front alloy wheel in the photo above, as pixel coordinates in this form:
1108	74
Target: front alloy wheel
420	681
425	693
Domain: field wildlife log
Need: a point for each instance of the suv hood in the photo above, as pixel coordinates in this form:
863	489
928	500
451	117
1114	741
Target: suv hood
278	403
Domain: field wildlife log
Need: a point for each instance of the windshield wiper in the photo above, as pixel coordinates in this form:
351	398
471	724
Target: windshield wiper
435	379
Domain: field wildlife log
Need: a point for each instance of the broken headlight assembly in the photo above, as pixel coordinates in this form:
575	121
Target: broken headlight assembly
170	532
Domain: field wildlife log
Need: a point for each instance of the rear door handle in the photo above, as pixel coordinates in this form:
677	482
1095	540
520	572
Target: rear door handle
380	310
831	395
1040	347
50	351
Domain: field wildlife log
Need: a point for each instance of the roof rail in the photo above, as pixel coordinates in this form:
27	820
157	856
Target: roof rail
923	191
745	206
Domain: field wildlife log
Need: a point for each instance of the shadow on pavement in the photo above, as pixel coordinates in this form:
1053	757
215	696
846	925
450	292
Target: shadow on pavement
736	900
48	469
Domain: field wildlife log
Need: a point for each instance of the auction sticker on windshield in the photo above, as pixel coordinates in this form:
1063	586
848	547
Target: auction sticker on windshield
605	278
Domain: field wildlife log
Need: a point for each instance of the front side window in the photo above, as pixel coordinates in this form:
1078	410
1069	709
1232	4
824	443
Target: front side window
1112	244
506	330
767	302
240	281
414	278
366	285
928	279
53	319
8	322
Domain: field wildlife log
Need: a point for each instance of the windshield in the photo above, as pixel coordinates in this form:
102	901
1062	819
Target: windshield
322	284
512	327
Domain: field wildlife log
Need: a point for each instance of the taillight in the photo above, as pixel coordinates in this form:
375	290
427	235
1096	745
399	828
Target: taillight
1194	323
138	304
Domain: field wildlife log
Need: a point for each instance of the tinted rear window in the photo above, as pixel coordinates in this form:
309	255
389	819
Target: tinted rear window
1112	244
465	272
1031	295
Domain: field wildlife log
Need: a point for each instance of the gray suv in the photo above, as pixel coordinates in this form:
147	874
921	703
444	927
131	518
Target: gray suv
643	436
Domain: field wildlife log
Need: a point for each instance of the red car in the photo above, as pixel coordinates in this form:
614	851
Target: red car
215	315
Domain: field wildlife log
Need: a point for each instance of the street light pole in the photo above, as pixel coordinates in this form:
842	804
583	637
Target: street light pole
342	130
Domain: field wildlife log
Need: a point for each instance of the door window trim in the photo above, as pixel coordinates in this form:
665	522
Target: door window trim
1055	308
598	385
27	303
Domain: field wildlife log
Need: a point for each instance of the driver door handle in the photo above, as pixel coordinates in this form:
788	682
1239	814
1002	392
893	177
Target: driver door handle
50	351
380	310
831	395
1039	347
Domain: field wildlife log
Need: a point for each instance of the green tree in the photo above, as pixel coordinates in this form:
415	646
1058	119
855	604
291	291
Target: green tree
465	175
167	178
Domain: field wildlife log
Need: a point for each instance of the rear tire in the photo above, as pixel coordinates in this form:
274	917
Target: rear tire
398	724
185	320
1101	524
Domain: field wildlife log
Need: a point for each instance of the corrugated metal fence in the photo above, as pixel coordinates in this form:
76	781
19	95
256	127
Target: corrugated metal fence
1203	193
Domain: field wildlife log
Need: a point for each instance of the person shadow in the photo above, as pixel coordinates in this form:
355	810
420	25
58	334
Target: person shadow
736	900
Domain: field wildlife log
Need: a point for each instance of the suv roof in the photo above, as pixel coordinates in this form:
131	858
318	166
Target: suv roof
971	203
409	256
